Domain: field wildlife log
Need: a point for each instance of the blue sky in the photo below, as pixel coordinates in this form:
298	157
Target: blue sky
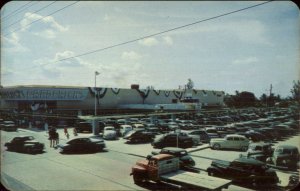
244	51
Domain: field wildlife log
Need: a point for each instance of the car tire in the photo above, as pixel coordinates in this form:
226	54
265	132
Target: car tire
216	146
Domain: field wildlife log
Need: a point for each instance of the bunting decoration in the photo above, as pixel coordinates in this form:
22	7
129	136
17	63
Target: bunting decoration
156	92
178	94
115	90
204	92
167	93
143	93
98	92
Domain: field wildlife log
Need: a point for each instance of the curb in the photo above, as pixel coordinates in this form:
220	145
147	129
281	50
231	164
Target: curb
199	149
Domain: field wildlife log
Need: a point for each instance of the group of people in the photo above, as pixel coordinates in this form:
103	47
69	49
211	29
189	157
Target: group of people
53	137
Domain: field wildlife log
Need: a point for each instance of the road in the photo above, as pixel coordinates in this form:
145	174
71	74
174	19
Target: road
107	170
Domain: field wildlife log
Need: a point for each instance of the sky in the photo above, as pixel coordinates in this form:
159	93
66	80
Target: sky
65	42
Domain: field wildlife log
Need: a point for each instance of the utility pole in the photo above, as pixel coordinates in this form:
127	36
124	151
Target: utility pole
96	92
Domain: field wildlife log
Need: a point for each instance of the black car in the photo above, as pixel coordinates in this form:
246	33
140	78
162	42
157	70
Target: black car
286	156
25	144
82	144
204	138
185	159
260	151
139	136
244	171
172	140
8	126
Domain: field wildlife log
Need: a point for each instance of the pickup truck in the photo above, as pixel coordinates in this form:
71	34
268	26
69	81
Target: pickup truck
164	168
245	171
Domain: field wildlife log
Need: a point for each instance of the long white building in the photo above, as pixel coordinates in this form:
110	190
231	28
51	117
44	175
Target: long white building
83	99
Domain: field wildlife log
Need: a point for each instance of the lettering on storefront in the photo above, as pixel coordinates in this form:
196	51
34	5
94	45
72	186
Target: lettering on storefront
44	94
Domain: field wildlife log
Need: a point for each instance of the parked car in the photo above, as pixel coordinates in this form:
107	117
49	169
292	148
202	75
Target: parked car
204	138
185	159
124	129
285	156
82	144
8	126
139	136
260	151
24	144
172	140
230	142
84	127
109	133
246	171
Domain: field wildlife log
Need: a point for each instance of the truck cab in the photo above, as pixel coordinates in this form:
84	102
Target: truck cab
152	167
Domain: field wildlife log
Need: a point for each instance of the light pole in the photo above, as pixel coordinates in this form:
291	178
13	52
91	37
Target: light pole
96	92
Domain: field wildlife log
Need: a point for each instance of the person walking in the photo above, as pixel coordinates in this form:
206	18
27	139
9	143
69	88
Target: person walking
75	132
56	138
51	133
66	132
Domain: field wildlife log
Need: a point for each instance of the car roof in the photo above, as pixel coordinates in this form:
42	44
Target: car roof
249	161
162	157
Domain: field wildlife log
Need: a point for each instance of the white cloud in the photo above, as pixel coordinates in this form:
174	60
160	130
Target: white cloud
246	61
48	30
149	41
12	43
168	40
131	55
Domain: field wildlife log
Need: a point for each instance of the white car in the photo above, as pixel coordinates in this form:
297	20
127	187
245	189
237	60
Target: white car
124	129
230	142
109	133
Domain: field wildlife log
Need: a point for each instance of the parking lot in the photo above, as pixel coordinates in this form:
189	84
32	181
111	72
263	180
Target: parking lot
108	169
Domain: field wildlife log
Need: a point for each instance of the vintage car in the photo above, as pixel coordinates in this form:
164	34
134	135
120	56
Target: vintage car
285	156
230	142
82	145
8	126
260	151
172	140
134	136
204	138
25	144
245	171
185	159
109	133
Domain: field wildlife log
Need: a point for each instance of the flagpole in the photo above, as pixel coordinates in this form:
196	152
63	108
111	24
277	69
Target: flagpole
96	92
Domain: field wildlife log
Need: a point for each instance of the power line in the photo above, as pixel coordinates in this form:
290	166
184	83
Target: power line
41	18
159	33
155	34
20	9
30	14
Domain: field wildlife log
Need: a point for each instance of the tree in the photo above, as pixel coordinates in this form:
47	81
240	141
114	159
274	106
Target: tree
296	91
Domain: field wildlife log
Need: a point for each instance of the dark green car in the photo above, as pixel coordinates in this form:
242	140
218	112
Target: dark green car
286	156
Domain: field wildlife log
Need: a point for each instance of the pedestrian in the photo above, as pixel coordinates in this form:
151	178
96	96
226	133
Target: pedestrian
66	133
51	133
75	132
56	138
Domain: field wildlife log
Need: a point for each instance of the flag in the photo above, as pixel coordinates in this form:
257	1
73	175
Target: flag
96	73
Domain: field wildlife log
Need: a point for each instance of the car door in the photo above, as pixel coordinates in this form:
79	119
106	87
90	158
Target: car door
170	141
229	143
